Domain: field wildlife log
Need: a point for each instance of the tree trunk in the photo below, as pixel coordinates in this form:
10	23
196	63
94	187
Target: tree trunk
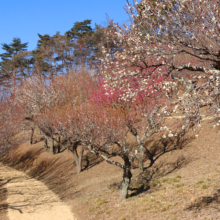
55	67
32	134
82	61
13	81
49	142
51	145
126	179
141	160
78	158
58	146
46	142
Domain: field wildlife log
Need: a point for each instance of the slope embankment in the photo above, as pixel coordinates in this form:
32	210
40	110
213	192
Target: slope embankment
184	183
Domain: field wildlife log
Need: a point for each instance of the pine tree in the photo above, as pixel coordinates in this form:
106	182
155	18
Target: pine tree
79	34
15	62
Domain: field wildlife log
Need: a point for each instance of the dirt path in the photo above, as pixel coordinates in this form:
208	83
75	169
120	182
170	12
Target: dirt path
29	199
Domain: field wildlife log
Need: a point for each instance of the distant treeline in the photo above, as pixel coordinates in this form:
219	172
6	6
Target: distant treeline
55	55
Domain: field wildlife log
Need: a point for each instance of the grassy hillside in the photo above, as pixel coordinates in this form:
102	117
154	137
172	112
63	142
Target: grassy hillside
182	184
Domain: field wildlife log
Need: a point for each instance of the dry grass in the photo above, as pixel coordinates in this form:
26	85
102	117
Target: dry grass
182	184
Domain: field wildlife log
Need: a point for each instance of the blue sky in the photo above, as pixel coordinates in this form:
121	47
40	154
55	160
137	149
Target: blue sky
26	18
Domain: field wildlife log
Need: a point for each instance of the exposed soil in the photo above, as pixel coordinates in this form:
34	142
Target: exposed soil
29	199
182	184
3	200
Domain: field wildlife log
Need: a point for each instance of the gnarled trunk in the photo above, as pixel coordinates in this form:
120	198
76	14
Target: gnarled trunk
141	160
45	142
49	143
31	136
58	148
78	158
126	179
52	149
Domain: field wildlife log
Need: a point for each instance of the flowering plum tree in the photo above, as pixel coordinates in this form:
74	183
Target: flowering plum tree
103	132
169	46
11	123
41	100
169	52
62	123
165	61
104	127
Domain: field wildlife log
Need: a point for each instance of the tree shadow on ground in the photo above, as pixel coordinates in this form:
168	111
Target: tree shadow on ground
90	160
3	200
149	180
4	206
205	202
154	149
39	140
23	160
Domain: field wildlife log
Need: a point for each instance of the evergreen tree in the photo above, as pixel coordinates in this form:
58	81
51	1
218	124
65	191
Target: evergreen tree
78	35
44	56
15	62
51	54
